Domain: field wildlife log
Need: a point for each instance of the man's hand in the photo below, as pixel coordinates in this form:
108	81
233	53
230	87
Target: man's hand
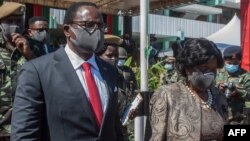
133	113
234	93
22	45
221	87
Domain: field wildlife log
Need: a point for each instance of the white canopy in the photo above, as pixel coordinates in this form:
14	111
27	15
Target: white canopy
229	34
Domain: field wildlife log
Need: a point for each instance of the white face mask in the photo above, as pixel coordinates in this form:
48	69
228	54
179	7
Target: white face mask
169	67
42	36
121	62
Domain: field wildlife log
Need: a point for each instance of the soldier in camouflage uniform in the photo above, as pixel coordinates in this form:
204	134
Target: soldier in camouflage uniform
110	54
235	84
14	51
170	75
128	83
127	89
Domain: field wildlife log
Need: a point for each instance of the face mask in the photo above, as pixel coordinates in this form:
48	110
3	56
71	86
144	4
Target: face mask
121	62
113	62
231	68
88	42
62	45
169	67
9	29
202	81
41	36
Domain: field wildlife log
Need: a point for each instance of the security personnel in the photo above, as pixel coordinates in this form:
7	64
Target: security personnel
170	75
110	53
129	84
234	83
123	56
38	32
14	51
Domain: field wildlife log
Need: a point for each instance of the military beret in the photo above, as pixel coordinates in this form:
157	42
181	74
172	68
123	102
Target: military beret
11	8
112	40
232	52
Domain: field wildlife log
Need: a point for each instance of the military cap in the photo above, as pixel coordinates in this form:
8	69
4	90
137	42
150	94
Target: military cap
122	53
112	40
11	8
232	52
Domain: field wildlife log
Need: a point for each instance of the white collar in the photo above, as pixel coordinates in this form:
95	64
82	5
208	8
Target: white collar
77	61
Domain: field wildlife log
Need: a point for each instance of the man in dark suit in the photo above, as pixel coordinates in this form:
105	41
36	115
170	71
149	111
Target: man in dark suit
71	94
39	32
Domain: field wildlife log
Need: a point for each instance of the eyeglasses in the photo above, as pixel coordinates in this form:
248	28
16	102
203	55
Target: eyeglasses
40	29
89	26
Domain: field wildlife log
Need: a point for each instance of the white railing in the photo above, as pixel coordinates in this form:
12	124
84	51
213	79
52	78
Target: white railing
169	26
234	1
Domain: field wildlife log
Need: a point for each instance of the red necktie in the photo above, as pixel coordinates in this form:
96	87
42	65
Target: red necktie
94	97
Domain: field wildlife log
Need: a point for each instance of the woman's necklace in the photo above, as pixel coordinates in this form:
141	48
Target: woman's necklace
208	103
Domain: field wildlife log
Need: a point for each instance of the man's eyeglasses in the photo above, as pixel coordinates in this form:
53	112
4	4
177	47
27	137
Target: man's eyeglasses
40	29
89	26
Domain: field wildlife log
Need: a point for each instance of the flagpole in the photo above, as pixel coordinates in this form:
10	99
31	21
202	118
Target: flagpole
140	121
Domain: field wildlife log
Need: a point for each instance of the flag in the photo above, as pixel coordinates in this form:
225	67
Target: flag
110	24
52	22
245	34
46	13
116	25
38	10
56	17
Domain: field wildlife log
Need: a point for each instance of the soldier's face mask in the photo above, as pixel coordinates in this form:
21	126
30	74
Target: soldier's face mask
202	81
231	68
13	24
9	29
169	67
121	62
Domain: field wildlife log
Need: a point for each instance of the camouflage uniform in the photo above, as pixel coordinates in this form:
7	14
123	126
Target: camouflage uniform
126	80
127	86
241	83
169	77
11	61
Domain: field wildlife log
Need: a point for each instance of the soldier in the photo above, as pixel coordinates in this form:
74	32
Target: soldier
123	56
127	87
110	54
128	84
234	83
170	75
14	50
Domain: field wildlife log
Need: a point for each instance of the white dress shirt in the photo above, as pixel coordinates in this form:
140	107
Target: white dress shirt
46	49
77	61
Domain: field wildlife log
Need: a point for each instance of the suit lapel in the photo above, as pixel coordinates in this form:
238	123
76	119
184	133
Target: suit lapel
67	72
104	71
